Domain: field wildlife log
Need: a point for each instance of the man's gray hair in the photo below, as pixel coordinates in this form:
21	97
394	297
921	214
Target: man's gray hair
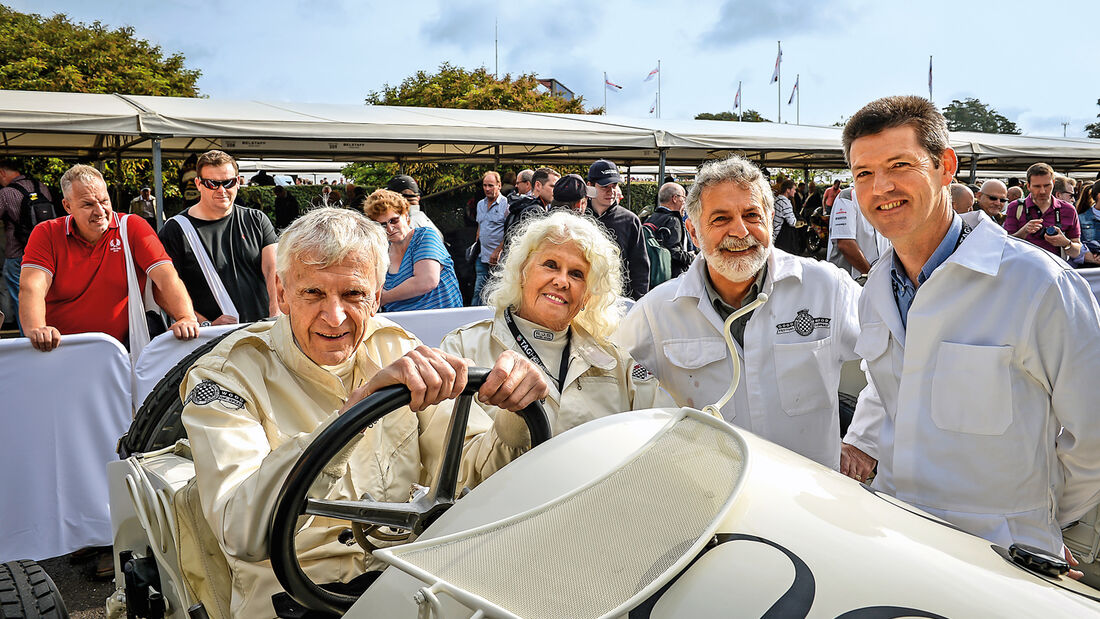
326	236
525	175
668	191
733	169
79	173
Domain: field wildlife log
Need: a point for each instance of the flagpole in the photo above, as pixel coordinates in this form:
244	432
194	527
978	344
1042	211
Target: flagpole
658	88
605	93
798	102
740	103
779	86
930	78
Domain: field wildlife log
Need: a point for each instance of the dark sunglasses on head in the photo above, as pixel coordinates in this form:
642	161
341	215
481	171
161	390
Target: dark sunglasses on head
213	185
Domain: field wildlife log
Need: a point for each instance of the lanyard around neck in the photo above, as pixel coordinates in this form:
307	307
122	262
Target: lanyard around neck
533	355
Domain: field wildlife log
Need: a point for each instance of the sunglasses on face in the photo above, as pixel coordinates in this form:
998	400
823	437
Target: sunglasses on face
409	195
996	199
393	221
213	185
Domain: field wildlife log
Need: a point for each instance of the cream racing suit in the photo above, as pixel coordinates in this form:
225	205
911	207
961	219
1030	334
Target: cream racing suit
601	379
252	406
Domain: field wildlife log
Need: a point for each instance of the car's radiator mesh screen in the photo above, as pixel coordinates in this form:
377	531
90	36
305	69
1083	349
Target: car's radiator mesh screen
585	555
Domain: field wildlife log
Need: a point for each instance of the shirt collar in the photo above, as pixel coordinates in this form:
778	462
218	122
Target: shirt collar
725	309
943	252
1095	213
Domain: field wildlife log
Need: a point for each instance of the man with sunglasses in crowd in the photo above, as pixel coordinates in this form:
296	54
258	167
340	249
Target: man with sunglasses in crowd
236	243
992	199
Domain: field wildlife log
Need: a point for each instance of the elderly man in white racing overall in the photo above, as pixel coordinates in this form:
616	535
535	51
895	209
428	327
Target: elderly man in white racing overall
791	348
258	399
988	424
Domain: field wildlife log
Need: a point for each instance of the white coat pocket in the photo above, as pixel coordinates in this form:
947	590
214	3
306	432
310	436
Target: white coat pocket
958	403
798	374
696	353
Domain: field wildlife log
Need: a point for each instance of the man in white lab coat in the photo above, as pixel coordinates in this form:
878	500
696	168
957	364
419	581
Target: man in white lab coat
791	348
988	424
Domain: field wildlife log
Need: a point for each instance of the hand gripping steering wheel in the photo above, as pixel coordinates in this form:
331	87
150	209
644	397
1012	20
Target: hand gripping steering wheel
414	516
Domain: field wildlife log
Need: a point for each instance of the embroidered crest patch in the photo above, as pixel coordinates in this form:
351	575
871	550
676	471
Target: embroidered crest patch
209	391
640	372
803	324
546	336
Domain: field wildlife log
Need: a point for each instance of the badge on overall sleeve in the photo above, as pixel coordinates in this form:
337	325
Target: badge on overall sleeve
803	324
209	391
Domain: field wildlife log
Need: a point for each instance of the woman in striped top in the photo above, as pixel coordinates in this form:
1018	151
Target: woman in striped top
421	273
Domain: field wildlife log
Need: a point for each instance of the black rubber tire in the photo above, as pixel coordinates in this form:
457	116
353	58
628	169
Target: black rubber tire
847	410
157	423
26	590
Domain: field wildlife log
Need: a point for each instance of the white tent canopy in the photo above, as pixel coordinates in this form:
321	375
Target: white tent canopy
94	126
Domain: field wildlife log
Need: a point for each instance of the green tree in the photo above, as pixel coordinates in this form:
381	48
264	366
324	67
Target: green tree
1094	128
973	115
455	87
54	54
57	55
750	116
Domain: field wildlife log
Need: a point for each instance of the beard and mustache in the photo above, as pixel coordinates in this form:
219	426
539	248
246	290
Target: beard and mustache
738	268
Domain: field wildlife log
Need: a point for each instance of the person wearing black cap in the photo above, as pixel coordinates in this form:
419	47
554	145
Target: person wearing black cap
623	224
407	187
570	193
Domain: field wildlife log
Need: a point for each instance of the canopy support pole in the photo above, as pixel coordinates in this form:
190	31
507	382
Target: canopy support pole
973	169
626	194
158	185
119	178
661	168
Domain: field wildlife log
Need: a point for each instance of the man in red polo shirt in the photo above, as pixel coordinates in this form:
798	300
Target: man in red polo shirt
73	276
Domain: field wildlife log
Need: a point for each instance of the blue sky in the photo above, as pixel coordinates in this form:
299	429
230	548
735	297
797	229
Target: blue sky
1037	67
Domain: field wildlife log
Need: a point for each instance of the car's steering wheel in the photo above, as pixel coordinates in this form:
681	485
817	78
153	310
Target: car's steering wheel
414	516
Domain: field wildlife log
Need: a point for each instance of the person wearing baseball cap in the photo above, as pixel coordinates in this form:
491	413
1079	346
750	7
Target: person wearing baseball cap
570	193
407	187
624	225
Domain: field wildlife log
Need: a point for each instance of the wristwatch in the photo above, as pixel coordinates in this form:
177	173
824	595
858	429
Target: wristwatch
205	323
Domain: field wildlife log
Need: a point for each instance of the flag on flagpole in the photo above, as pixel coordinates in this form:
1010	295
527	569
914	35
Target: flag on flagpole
929	78
652	73
609	84
793	90
653	107
778	59
737	97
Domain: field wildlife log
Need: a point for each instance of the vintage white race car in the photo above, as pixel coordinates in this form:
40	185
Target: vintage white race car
657	513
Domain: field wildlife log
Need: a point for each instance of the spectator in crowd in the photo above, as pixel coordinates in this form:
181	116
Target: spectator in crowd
813	200
791	349
327	197
556	298
74	277
570	193
422	273
277	384
1014	193
987	424
992	199
523	186
1084	196
1089	219
854	244
492	211
624	226
407	187
1043	220
962	199
799	200
538	203
261	179
145	206
668	218
13	186
286	208
831	193
784	217
225	253
1065	189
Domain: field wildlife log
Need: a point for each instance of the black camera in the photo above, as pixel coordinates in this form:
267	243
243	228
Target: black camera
1051	230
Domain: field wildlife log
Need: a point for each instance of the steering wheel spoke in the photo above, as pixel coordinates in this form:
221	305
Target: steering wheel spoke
414	516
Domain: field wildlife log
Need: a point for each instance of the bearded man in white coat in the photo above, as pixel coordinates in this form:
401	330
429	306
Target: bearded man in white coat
988	424
791	348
